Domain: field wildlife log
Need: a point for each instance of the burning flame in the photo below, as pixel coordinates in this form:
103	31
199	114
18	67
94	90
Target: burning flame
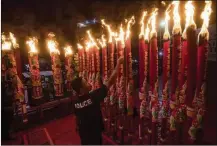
147	30
167	18
129	24
68	50
176	18
13	40
111	33
121	35
79	46
189	13
102	41
205	16
153	23
6	45
32	45
142	33
92	39
52	44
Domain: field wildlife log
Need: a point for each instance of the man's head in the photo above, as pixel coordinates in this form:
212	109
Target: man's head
80	85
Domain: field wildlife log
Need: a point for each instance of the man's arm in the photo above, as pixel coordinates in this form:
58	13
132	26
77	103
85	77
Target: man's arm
113	76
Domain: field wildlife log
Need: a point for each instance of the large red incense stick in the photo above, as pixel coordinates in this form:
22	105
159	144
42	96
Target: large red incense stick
141	61
153	63
191	67
175	64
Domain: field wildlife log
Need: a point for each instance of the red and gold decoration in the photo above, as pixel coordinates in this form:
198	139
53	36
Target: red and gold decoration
80	58
69	67
34	69
166	73
129	71
56	65
176	48
10	68
202	54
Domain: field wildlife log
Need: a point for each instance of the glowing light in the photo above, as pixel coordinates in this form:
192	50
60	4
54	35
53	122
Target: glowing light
52	44
176	18
102	41
6	45
167	18
153	23
13	40
189	13
142	31
121	36
92	39
147	30
111	33
79	46
68	50
129	24
32	45
205	15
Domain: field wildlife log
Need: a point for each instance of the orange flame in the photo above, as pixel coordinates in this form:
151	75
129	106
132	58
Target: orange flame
205	15
167	18
153	23
111	33
13	40
6	45
52	44
189	13
129	24
102	41
79	46
142	31
176	18
68	50
120	36
92	39
147	30
32	45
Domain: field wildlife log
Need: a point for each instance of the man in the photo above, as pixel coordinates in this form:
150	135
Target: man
87	108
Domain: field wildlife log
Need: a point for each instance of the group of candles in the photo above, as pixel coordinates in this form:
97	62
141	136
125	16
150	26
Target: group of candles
188	65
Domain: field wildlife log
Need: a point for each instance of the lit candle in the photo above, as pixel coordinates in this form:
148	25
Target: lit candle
129	70
56	65
11	71
34	69
69	67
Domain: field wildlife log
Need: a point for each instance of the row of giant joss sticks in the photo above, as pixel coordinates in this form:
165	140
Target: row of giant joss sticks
9	68
89	68
188	66
9	71
184	87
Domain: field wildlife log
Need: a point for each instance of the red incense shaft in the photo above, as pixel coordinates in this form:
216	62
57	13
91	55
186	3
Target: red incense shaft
153	63
175	62
192	64
141	61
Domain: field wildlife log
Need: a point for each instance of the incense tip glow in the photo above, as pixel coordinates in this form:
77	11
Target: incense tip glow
205	15
142	31
129	24
176	18
189	13
32	45
68	50
13	40
52	44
